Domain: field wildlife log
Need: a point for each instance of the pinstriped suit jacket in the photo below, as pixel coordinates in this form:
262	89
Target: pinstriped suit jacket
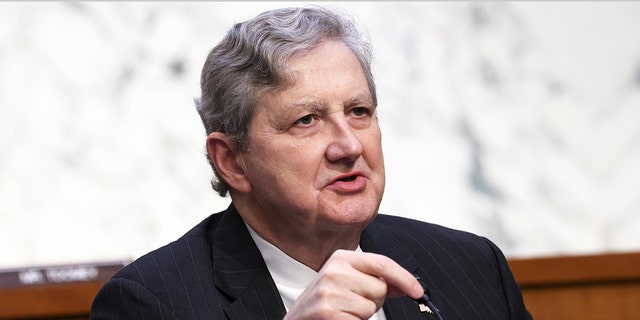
215	271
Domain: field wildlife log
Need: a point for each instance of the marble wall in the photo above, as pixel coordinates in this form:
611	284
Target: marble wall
514	120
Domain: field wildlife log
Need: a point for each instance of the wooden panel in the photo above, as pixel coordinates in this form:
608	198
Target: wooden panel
72	300
580	287
604	301
576	269
54	291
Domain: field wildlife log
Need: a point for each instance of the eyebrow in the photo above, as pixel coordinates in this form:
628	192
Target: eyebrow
363	98
311	105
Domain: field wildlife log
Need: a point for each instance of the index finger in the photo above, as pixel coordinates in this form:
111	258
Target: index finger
400	281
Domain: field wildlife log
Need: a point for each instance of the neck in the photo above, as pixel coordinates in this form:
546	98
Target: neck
316	250
311	246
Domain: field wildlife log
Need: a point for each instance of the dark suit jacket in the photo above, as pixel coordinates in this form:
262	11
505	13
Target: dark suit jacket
215	271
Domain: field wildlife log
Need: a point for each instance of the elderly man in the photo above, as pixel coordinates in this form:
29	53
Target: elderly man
289	106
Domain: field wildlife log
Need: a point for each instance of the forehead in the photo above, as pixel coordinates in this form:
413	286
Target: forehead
328	75
331	67
326	56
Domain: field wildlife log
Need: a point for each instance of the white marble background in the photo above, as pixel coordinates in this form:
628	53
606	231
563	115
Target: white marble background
515	120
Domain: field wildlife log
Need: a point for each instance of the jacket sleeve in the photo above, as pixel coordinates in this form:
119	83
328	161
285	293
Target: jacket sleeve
513	295
123	298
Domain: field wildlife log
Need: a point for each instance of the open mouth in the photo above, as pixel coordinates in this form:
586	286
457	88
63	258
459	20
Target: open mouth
348	179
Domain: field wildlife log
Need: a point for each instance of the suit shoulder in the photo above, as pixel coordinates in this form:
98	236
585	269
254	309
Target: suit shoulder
419	232
164	261
174	276
400	223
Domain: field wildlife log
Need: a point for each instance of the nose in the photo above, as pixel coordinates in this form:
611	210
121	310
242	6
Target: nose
344	144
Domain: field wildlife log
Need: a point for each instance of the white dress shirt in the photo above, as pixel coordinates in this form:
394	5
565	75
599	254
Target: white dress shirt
291	276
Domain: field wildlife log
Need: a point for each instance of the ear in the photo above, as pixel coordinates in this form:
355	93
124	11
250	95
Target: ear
223	153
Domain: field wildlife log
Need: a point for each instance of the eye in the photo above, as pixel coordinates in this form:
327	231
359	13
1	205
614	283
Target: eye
360	111
306	120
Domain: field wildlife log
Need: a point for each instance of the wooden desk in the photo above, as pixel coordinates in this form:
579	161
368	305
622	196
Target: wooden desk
63	292
587	287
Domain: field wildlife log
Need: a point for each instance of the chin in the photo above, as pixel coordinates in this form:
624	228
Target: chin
351	210
356	213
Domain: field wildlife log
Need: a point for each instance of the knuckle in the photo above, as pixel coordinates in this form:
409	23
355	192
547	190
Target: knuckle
380	263
372	307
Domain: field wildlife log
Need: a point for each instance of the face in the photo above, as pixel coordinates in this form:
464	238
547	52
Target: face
314	160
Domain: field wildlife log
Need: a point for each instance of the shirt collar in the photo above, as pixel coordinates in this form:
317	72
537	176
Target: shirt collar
283	268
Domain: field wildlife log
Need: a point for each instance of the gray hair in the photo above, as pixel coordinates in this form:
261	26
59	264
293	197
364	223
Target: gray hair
252	59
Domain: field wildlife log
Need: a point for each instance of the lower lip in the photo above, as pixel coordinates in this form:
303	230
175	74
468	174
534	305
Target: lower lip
358	184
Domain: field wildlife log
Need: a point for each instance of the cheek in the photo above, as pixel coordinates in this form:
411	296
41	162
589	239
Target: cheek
285	162
375	159
373	148
303	161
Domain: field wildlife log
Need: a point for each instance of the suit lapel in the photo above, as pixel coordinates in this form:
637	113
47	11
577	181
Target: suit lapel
260	300
240	272
377	239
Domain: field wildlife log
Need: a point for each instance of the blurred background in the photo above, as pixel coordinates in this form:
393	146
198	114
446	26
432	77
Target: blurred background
519	121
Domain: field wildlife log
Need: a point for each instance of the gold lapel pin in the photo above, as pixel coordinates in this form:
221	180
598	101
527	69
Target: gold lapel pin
424	308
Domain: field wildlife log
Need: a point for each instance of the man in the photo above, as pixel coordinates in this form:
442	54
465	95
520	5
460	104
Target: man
289	106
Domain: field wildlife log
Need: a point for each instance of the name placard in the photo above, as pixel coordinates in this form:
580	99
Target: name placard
44	275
